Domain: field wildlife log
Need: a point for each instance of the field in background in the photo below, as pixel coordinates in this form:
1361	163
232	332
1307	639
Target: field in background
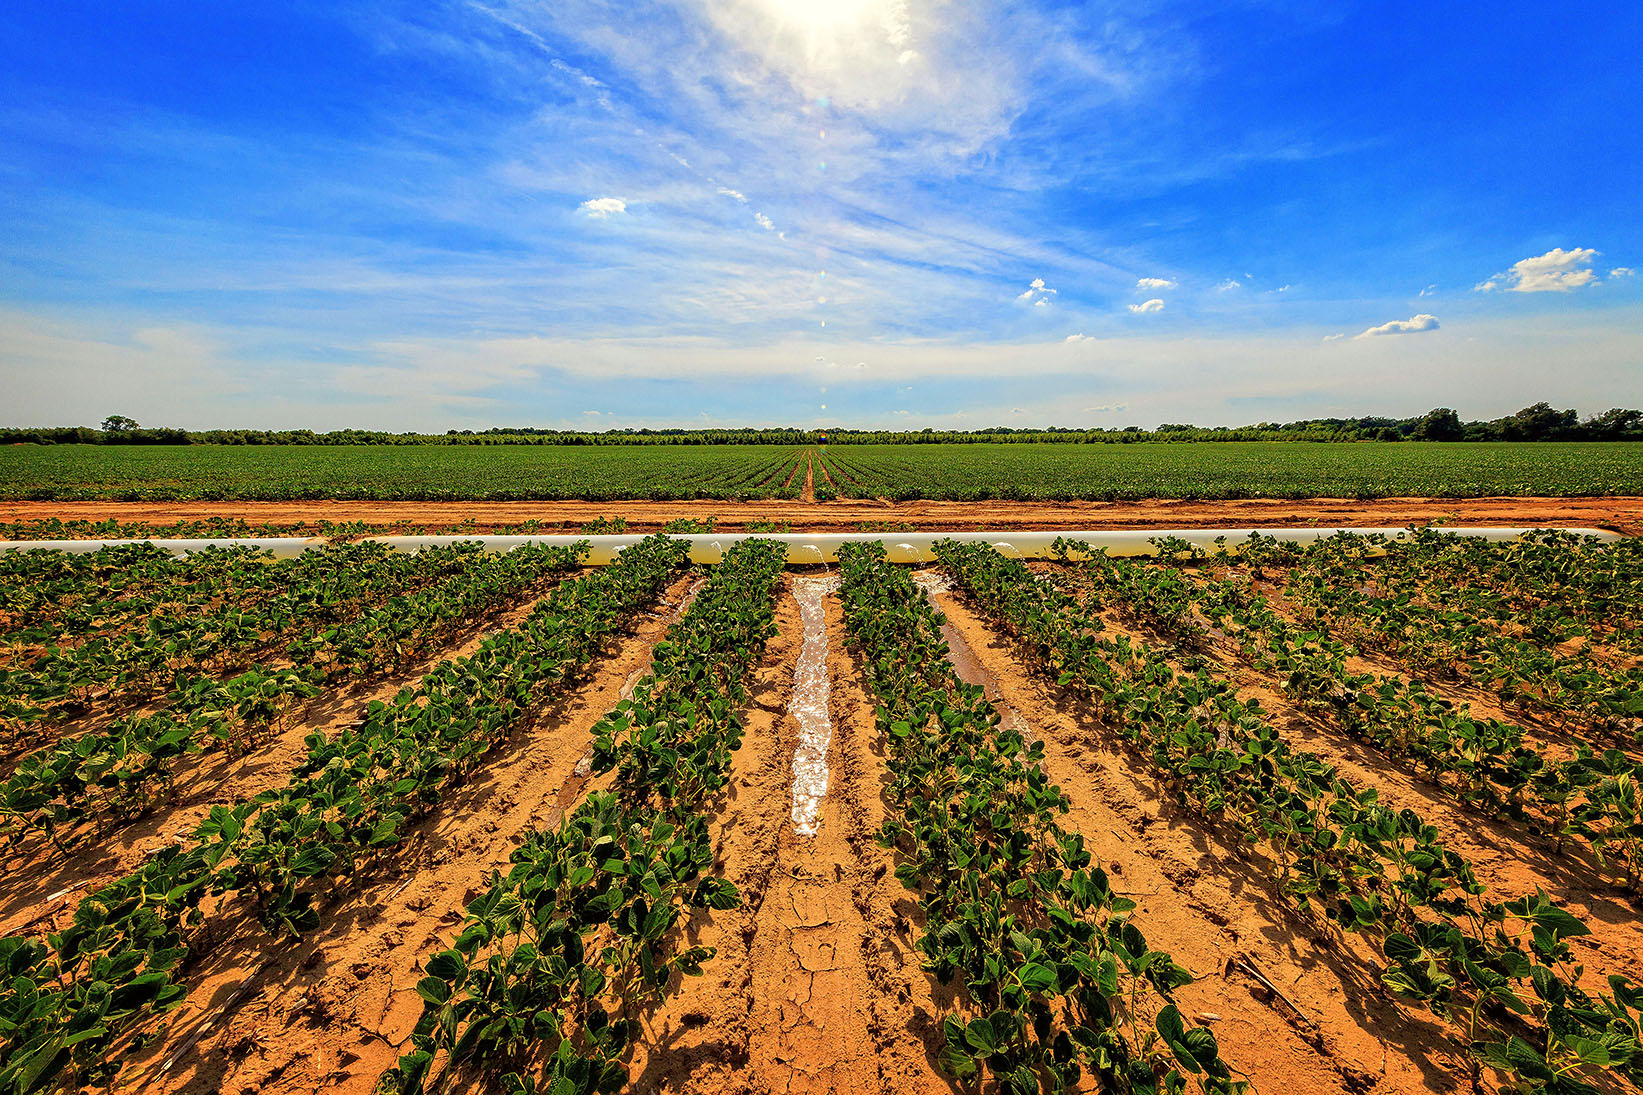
1277	469
1047	472
274	473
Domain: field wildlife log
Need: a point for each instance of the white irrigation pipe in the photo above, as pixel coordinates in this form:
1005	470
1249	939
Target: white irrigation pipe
804	547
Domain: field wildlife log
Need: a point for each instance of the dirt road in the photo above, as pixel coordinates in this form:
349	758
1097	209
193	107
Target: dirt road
843	515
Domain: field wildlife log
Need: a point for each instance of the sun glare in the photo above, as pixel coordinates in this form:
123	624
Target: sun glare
820	16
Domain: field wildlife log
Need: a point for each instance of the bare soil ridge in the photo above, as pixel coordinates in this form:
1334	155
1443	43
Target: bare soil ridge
1622	514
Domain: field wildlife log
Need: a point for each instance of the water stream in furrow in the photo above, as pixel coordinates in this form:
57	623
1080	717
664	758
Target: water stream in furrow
808	705
937	585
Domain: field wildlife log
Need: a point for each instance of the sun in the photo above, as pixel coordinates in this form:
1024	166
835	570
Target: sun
822	16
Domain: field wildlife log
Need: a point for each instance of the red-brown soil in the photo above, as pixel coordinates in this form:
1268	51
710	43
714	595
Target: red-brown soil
843	514
817	985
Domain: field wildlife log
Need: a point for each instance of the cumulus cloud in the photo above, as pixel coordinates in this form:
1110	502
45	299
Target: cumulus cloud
1080	337
1153	305
1557	271
1410	326
1038	293
600	208
1336	337
1155	283
1622	272
764	222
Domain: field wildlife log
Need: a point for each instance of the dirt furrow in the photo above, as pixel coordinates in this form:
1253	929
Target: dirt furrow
1509	858
335	1010
808	992
43	880
1219	913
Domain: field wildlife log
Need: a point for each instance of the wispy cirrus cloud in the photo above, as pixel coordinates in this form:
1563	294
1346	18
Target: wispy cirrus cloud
567	181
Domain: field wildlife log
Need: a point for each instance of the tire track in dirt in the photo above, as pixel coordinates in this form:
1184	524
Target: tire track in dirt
44	877
1213	909
335	1010
815	986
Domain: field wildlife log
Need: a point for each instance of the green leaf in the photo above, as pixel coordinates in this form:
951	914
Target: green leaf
981	1037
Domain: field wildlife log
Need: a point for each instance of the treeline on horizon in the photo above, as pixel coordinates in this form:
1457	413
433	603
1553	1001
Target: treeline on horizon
1540	422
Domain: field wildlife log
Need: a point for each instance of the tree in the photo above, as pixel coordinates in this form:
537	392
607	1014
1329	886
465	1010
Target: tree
1615	422
118	423
1438	424
1540	422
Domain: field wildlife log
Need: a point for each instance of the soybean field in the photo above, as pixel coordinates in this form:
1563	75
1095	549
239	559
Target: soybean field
1313	819
958	472
1213	470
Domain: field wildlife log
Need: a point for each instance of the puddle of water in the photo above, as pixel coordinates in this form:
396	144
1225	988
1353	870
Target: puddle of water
932	582
811	689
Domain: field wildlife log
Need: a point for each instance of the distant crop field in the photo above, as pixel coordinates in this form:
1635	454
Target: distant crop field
1277	469
399	472
973	472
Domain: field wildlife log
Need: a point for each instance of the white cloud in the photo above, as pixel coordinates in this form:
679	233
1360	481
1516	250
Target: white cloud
737	194
1412	325
1281	289
1153	305
1557	271
1230	283
1428	291
1105	408
764	222
1335	337
601	208
1080	337
1155	283
1622	272
1038	293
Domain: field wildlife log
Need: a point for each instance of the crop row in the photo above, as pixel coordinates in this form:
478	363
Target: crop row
557	959
1502	972
1447	637
1058	978
316	590
49	595
70	996
1594	796
122	769
1549	585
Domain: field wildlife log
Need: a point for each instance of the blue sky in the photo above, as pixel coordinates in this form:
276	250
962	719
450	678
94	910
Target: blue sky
874	212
